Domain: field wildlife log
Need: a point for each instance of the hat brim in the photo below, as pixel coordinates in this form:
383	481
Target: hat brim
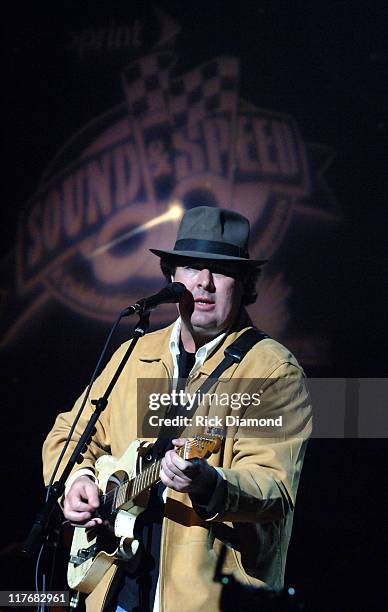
209	256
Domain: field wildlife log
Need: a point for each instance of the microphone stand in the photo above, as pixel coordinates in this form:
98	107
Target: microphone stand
40	526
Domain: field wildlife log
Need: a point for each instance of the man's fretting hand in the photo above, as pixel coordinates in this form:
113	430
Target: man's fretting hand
195	476
81	502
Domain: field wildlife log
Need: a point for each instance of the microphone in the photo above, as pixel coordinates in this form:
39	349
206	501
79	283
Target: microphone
171	294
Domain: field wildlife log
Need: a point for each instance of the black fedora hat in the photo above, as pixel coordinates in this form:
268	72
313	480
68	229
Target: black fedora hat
208	232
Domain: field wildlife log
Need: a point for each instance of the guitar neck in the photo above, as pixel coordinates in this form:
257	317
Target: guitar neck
132	488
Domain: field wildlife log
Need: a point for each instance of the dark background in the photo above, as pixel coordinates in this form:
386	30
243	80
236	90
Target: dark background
326	65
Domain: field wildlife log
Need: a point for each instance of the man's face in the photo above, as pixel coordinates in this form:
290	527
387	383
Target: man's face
217	295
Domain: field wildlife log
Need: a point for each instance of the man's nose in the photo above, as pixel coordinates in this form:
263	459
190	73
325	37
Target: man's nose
205	279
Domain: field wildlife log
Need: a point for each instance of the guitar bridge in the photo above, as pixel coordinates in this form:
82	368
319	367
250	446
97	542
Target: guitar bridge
83	555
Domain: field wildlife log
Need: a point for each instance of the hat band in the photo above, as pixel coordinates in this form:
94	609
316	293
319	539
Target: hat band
211	247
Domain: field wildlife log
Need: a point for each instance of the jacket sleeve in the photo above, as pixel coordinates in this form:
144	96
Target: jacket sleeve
262	480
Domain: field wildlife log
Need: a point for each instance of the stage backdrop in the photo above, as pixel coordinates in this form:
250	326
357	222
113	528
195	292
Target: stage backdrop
178	132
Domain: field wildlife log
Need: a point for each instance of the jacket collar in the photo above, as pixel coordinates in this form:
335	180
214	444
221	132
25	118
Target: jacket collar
159	350
241	324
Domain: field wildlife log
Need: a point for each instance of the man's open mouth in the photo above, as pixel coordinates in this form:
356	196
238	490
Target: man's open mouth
203	300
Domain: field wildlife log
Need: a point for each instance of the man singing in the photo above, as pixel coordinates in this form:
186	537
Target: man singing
244	494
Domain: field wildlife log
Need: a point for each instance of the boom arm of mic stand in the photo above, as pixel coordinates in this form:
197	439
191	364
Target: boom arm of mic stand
41	522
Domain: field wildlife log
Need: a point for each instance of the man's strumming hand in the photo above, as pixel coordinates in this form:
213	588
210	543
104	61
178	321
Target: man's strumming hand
81	501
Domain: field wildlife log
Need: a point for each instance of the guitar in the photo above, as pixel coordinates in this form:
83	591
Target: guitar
127	484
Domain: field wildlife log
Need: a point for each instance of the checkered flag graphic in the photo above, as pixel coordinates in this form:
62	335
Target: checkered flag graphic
145	83
208	89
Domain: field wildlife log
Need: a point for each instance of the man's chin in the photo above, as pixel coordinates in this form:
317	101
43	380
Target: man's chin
204	328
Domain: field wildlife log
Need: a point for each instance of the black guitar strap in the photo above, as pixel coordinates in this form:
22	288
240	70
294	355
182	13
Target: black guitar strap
234	353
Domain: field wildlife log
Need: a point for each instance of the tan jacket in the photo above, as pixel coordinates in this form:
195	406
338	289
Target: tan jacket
262	473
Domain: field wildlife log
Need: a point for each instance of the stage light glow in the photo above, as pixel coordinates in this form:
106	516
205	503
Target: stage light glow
174	213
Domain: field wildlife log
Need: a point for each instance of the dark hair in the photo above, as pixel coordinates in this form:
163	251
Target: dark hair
248	275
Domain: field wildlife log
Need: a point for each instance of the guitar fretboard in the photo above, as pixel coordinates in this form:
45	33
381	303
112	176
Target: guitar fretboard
131	488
